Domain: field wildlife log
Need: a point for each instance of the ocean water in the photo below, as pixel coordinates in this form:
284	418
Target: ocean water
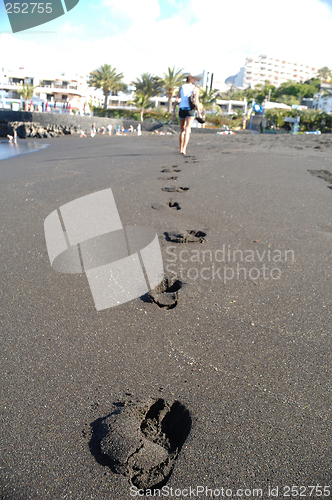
9	149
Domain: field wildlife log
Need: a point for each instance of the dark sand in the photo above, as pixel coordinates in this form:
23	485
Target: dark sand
249	359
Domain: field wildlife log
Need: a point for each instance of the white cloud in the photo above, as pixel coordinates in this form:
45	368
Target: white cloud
133	10
223	35
69	28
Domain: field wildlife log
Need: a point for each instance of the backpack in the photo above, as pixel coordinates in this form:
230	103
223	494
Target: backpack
192	99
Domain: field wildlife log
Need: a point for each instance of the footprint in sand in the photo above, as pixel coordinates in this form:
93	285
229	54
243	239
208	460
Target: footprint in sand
173	189
186	237
323	174
141	441
166	294
164	206
170	170
173	178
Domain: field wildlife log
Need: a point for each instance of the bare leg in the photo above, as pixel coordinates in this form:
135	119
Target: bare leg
187	131
182	132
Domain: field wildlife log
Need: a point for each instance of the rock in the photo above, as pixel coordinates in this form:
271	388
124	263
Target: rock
35	130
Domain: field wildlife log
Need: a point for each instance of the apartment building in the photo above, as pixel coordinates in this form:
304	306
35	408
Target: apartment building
59	88
11	81
323	99
277	71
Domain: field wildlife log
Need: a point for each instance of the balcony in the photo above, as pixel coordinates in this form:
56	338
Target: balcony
57	89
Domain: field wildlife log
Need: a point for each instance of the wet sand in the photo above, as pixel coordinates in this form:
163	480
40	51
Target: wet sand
249	356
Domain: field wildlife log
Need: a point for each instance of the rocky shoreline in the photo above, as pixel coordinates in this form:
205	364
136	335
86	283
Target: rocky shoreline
45	125
34	130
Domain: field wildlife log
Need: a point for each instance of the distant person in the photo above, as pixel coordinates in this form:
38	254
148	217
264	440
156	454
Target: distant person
186	114
93	130
109	128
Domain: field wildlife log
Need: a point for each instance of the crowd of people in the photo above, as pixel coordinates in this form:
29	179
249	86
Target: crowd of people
47	107
102	130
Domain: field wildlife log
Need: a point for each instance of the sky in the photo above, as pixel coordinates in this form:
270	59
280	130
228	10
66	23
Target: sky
152	35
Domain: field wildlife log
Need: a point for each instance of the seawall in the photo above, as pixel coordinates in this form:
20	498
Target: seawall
66	120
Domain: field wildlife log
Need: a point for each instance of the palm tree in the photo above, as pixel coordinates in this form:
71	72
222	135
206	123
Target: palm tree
142	102
106	78
207	99
289	99
27	91
171	82
148	85
325	92
325	74
239	112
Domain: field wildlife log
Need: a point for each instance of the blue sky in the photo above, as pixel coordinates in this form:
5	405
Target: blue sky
215	35
89	14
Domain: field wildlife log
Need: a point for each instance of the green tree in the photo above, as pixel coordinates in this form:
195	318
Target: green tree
106	78
27	91
289	99
238	112
325	92
142	102
148	85
298	90
207	99
237	95
171	82
325	74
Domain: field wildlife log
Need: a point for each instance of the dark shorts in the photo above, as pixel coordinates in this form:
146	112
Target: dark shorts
185	112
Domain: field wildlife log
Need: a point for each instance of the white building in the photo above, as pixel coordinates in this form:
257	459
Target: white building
211	80
277	71
11	81
323	99
59	88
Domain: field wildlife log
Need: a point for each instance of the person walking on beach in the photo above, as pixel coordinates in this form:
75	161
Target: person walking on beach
186	114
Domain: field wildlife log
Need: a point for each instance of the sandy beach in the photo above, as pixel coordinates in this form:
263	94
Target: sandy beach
246	349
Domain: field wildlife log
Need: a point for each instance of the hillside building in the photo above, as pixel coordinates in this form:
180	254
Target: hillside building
58	88
276	71
323	99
